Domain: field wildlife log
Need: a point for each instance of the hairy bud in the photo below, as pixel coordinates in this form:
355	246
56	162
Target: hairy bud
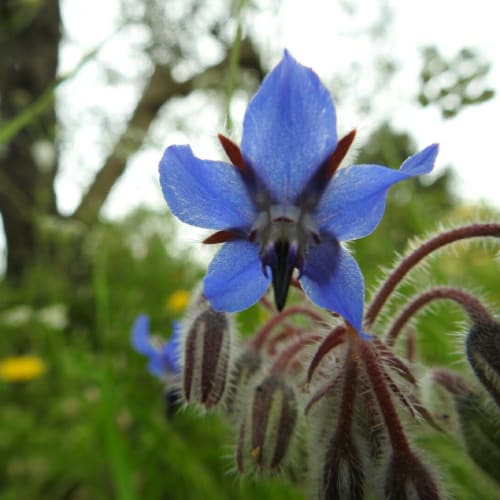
343	472
206	357
267	432
483	352
479	423
408	478
245	366
342	461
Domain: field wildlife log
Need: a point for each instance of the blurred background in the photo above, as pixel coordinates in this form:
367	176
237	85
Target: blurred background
90	95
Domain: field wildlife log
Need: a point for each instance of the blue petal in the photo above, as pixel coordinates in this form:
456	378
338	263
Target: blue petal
354	201
235	280
289	129
204	193
421	162
172	350
332	280
140	339
156	365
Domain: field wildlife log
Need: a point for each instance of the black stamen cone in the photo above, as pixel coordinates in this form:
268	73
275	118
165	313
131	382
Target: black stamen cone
282	273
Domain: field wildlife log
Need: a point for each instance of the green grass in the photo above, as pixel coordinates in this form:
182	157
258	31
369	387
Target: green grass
93	425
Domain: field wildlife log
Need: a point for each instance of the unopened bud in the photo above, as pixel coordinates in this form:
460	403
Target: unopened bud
408	478
266	435
483	352
245	366
480	423
336	450
343	475
206	357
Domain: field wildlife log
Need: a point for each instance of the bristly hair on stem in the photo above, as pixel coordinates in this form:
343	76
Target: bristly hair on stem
281	210
411	260
471	305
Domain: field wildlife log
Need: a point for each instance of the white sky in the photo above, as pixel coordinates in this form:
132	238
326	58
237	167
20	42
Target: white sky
323	37
469	141
320	35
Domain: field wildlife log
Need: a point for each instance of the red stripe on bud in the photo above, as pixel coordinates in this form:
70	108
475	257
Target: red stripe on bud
274	416
268	425
206	361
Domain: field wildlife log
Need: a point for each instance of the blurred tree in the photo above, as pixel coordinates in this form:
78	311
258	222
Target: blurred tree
179	36
30	37
455	84
29	43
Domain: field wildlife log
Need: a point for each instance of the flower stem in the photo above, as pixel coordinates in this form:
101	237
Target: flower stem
451	382
411	260
234	60
262	335
470	304
283	360
331	341
393	425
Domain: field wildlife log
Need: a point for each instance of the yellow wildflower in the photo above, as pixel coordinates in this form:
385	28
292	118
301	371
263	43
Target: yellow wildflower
177	301
21	368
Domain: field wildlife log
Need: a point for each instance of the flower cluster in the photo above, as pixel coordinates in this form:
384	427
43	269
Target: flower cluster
311	399
318	392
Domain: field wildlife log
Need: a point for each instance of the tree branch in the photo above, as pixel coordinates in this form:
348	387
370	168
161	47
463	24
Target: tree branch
159	90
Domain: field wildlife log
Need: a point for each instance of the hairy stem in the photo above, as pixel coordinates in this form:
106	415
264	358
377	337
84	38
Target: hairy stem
470	304
262	335
395	430
411	260
285	357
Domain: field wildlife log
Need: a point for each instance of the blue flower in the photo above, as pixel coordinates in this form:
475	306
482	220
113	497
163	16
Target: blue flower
163	358
284	204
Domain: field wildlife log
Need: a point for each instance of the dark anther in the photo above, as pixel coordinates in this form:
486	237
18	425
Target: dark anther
282	270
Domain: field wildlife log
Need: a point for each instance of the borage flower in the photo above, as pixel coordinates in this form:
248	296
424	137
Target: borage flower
164	357
284	204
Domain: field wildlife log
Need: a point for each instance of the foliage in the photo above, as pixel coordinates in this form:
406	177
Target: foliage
455	84
93	426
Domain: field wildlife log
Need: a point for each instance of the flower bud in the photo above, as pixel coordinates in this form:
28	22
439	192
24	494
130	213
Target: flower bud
343	472
267	432
480	423
245	366
206	357
483	352
408	478
338	450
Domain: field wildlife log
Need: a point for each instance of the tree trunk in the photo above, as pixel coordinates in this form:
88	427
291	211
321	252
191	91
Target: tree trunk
29	45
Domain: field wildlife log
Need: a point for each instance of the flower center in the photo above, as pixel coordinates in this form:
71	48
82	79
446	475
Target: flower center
284	233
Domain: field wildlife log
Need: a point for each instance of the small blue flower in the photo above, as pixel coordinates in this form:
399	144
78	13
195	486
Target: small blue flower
163	358
284	204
